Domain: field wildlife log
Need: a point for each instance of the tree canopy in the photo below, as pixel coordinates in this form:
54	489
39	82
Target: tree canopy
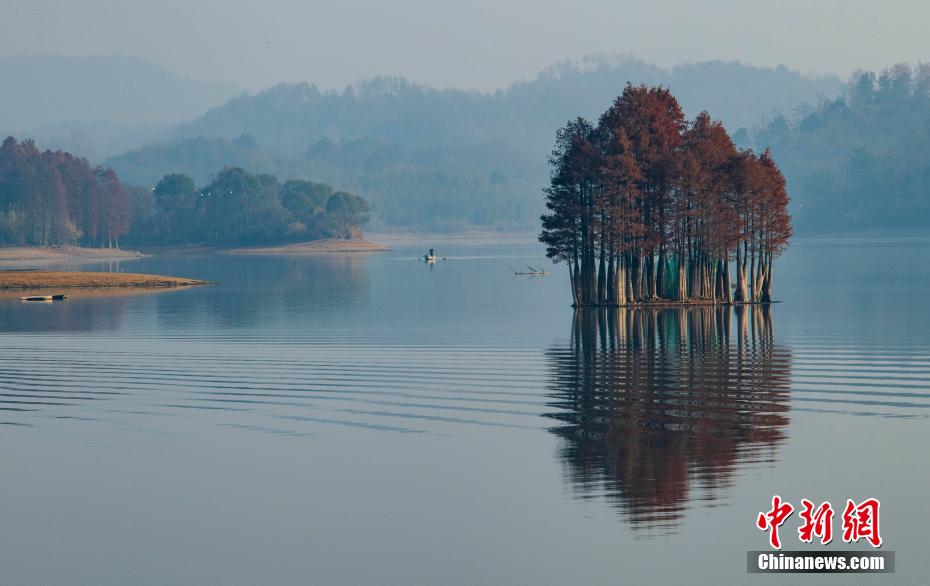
241	207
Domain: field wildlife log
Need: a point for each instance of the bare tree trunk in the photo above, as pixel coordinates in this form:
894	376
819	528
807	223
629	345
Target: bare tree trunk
636	276
660	274
757	279
574	285
767	281
682	293
711	280
628	279
619	285
610	297
742	293
592	275
650	277
723	285
724	279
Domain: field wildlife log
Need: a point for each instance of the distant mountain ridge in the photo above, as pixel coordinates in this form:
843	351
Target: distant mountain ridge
98	105
39	90
395	108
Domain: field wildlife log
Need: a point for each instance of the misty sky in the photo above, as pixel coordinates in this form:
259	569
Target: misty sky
481	44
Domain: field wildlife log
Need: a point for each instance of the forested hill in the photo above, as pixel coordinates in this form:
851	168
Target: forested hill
429	158
860	162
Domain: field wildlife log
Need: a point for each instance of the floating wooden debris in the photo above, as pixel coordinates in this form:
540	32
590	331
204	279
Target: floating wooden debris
533	270
58	297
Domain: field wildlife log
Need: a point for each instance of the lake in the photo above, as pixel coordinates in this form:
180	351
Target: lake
372	419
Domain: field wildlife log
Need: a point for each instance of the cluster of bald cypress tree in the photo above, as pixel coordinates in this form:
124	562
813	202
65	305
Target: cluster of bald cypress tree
647	207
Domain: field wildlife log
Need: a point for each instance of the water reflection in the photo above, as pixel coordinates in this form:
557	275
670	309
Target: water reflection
658	408
249	292
77	314
253	291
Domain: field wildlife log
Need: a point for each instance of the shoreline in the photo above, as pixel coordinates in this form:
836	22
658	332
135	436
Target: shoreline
17	280
53	254
474	236
321	246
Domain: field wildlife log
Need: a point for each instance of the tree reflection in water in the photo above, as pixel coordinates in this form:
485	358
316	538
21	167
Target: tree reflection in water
659	407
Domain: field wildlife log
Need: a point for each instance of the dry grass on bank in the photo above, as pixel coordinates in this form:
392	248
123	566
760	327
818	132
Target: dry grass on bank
63	254
35	280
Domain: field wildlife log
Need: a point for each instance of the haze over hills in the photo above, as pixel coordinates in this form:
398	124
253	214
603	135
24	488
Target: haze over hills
861	162
100	105
398	109
853	154
430	158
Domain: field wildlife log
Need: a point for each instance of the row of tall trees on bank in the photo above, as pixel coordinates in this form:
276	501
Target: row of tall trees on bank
52	198
647	206
56	198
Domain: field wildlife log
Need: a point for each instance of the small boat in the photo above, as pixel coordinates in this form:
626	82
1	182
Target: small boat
58	297
431	256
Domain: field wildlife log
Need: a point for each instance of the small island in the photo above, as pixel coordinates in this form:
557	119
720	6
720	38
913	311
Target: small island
40	280
649	208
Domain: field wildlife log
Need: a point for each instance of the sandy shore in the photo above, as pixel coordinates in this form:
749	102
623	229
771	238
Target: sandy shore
43	280
464	237
88	292
50	254
314	247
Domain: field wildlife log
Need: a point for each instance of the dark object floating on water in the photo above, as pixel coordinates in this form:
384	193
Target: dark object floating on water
43	298
534	270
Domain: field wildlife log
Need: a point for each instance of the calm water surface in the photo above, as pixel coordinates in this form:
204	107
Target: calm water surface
376	420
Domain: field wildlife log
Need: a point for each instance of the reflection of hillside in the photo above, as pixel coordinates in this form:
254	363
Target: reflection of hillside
254	290
658	408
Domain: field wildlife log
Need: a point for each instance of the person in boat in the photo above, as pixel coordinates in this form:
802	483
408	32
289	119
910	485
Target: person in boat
430	254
